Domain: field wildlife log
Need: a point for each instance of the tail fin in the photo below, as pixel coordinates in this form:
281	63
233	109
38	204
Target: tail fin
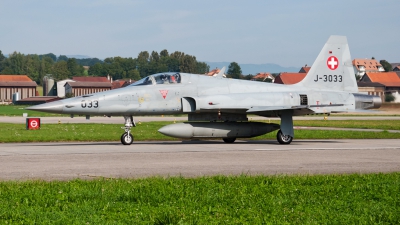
333	69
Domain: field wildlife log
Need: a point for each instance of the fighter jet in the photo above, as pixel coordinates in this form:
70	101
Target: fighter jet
218	107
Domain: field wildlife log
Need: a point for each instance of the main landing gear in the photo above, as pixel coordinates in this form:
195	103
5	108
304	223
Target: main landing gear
283	139
127	137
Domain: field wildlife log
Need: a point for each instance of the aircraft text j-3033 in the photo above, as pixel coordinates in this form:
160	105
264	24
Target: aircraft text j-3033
329	78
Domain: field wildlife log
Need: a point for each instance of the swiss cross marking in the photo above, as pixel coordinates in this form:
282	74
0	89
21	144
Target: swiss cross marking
332	62
164	93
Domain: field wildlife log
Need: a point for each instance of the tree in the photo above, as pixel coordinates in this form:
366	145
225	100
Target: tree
96	70
164	53
16	63
2	60
51	55
389	97
60	70
202	68
73	68
188	64
134	74
142	63
386	65
32	67
234	70
62	58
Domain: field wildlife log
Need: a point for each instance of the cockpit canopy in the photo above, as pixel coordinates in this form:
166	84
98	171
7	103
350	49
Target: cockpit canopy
159	78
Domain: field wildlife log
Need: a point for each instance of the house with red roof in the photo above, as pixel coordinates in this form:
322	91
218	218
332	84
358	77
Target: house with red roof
214	73
263	77
85	88
361	66
390	80
91	79
289	78
305	69
21	84
292	78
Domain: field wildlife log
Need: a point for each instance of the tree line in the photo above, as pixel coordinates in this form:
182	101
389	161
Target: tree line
61	67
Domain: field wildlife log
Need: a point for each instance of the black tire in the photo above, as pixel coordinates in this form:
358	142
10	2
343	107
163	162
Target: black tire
229	140
125	139
283	139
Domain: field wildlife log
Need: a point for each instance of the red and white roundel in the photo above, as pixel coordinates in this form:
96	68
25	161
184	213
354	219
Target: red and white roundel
332	63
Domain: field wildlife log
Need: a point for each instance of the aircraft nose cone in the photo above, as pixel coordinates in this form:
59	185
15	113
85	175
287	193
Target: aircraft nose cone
51	107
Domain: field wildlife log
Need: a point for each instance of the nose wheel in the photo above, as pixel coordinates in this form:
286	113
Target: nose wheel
127	137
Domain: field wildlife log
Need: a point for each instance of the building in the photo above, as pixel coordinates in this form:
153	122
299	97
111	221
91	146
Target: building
289	78
395	66
214	73
372	88
390	80
92	79
61	88
292	78
263	77
21	84
36	100
121	83
84	88
361	66
305	69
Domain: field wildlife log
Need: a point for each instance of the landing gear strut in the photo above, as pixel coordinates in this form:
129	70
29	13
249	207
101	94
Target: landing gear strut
127	137
283	139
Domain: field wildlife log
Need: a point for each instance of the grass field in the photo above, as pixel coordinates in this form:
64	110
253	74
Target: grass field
148	131
320	199
19	110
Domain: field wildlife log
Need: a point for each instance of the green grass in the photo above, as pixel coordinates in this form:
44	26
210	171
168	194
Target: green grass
363	124
147	131
320	199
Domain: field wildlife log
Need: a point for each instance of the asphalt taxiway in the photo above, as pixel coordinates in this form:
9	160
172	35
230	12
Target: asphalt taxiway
87	160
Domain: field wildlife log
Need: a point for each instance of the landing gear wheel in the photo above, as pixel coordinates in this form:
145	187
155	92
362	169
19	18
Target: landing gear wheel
229	140
283	139
126	139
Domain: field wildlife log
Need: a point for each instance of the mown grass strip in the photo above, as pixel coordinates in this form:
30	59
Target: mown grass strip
362	124
320	199
148	132
19	110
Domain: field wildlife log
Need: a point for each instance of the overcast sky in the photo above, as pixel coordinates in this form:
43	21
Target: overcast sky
288	33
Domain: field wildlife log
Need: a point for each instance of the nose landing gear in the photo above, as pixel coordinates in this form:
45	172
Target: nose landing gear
127	137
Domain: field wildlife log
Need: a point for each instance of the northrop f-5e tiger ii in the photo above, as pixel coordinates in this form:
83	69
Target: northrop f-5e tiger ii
217	107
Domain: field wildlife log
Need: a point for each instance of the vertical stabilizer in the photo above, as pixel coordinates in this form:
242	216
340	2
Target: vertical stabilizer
333	69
